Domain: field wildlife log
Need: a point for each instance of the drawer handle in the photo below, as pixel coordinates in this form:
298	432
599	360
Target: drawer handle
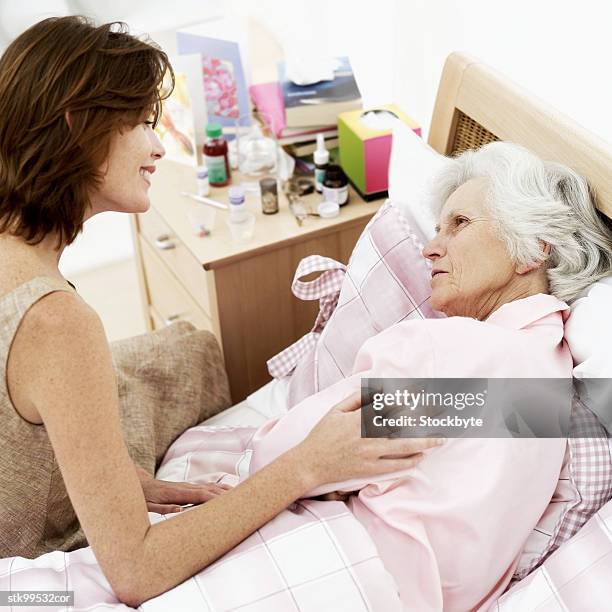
171	319
165	243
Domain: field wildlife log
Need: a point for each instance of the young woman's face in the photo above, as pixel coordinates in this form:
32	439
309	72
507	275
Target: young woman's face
128	171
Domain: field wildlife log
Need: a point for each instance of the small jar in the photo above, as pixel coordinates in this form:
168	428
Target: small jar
202	185
240	221
269	196
237	206
335	185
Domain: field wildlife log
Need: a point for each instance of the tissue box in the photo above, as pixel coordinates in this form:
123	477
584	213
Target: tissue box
365	148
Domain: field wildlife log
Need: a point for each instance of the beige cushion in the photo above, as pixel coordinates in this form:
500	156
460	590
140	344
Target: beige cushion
168	380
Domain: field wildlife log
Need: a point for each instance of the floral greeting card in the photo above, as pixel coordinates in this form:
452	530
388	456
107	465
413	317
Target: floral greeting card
223	78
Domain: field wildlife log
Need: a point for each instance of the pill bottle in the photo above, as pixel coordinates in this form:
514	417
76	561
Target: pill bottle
237	206
240	221
269	196
335	185
215	156
202	185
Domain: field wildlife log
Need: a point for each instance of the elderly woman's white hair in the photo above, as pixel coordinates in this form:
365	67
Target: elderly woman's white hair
533	201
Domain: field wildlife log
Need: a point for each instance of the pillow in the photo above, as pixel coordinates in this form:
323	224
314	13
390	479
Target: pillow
585	483
584	486
588	332
386	268
168	381
386	281
412	167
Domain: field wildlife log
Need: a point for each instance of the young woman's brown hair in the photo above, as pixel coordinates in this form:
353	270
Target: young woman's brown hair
104	79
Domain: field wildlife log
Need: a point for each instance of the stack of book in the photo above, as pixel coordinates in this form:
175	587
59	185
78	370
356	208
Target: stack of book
297	113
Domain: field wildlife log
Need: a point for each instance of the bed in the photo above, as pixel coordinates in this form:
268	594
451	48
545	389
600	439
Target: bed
474	106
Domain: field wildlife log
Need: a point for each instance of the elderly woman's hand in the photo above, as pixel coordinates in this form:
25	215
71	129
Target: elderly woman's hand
164	496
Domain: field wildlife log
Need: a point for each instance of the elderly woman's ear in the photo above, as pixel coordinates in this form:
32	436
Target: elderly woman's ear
524	268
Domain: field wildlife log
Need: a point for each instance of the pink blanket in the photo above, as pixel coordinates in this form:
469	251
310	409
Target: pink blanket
313	556
451	530
575	577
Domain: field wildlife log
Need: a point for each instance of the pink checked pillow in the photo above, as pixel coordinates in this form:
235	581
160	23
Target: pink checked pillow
584	486
386	281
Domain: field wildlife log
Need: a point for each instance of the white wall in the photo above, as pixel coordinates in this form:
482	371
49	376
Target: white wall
559	50
105	239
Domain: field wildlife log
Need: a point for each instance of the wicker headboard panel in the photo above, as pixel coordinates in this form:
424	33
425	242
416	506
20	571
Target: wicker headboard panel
476	105
469	135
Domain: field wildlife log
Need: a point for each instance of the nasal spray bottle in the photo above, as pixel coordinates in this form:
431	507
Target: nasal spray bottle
321	160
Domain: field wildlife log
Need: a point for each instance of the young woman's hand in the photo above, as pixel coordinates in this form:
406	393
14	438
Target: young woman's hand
163	496
335	451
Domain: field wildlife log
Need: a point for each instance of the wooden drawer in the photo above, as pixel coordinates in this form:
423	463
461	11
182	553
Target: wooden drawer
176	256
169	300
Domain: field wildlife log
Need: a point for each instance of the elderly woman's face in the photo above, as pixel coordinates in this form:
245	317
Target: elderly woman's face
470	263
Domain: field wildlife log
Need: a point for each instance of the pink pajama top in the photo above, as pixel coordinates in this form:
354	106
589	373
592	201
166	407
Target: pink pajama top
450	531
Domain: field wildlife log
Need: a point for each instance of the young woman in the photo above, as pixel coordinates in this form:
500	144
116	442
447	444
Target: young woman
77	108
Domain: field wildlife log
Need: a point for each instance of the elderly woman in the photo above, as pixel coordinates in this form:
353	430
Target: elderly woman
77	106
516	236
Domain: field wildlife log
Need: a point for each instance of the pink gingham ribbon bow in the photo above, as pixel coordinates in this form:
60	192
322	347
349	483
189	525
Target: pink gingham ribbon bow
325	288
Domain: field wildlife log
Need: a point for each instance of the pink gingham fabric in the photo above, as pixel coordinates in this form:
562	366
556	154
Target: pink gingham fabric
590	469
584	486
386	281
326	289
575	578
313	556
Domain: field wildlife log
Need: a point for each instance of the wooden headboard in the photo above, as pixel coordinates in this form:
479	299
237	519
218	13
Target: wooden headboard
476	105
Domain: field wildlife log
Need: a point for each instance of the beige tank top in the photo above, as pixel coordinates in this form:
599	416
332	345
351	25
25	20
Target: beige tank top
36	515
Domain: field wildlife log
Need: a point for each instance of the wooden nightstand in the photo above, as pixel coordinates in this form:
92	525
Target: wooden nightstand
241	292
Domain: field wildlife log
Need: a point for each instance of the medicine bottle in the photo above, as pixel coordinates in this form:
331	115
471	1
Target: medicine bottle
202	186
215	156
237	206
321	160
240	221
335	185
269	196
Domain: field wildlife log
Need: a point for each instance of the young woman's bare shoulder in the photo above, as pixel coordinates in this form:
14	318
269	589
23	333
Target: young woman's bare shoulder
61	321
59	343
